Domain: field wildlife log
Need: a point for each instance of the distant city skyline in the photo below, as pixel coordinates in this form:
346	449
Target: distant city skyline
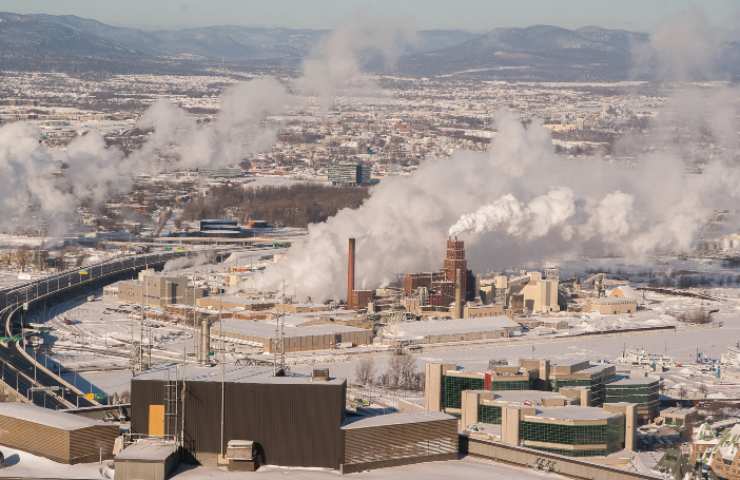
474	15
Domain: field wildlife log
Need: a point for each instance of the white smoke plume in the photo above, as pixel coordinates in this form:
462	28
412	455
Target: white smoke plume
54	182
334	67
520	202
530	221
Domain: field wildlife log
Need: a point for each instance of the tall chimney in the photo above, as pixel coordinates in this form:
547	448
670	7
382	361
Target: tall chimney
459	308
350	271
205	342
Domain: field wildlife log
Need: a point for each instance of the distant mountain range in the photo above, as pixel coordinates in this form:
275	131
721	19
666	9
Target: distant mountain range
74	44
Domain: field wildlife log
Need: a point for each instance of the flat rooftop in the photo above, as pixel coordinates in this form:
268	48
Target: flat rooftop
635	381
231	374
148	450
572	412
395	419
521	396
45	416
422	328
266	329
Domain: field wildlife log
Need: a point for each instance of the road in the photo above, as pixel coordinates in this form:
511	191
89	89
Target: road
18	368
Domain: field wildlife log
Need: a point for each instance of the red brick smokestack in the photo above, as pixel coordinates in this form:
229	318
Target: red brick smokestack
350	271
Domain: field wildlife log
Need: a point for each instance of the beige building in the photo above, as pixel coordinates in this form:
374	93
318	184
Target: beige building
478	311
156	290
540	294
548	421
61	437
613	305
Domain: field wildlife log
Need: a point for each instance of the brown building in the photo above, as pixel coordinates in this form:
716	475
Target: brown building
442	285
412	281
61	437
294	421
398	439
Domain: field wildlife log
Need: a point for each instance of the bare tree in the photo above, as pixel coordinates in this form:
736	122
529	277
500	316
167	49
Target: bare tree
365	371
402	373
682	392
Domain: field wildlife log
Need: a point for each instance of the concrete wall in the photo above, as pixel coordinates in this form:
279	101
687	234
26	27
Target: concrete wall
527	457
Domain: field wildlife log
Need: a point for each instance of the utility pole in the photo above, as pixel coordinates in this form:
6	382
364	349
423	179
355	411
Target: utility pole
223	367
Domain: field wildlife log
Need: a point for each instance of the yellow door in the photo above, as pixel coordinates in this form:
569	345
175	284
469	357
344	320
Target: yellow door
156	420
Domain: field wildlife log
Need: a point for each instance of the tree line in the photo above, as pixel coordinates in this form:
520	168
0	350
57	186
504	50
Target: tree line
288	206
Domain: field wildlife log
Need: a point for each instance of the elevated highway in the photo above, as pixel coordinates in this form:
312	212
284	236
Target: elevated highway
18	368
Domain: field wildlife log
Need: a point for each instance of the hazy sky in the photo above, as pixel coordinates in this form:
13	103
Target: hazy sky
463	14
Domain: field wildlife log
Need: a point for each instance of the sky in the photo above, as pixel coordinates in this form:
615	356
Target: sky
476	15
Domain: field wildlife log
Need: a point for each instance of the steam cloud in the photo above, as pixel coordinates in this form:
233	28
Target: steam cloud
53	183
517	202
520	202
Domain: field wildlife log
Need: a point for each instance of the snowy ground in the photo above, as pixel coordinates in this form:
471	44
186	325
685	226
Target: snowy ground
94	339
468	468
27	466
99	345
24	465
682	344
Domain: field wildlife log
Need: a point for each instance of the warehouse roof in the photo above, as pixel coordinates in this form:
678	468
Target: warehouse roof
443	326
45	416
231	374
395	419
267	328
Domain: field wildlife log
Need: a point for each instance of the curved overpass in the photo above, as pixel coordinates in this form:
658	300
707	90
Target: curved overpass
18	369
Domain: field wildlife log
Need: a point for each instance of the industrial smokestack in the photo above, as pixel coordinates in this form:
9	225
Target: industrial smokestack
205	342
459	312
350	271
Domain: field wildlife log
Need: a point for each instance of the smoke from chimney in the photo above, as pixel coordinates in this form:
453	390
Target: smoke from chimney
350	271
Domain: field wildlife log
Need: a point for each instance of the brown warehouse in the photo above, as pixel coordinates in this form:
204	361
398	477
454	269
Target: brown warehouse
295	421
62	437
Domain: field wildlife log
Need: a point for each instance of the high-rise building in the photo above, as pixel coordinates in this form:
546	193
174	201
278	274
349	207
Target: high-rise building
350	173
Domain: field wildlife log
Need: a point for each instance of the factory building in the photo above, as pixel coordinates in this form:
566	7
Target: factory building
61	437
445	331
290	420
157	290
294	338
548	421
452	287
540	294
612	305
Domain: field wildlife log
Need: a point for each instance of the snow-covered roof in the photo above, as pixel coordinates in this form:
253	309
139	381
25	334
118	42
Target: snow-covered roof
730	443
626	292
148	450
230	374
396	419
45	416
267	328
632	381
447	326
572	412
